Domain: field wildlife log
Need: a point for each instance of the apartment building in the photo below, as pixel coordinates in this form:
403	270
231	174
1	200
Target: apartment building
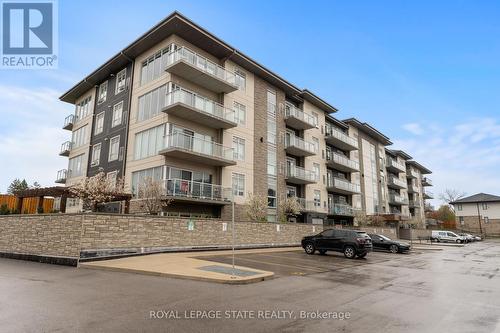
183	107
479	213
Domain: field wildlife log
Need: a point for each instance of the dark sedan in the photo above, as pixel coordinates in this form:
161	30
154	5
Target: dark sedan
381	242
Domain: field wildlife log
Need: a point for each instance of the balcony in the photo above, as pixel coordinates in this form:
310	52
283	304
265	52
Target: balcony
411	173
187	147
428	195
299	147
299	175
62	175
412	188
397	183
65	149
394	166
193	67
296	118
426	182
188	105
341	162
69	121
414	203
310	206
341	209
191	191
339	139
397	199
342	186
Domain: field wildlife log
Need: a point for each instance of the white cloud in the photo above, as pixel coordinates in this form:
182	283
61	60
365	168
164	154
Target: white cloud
414	128
31	134
464	156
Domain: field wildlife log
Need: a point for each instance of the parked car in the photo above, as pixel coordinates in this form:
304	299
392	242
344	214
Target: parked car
381	242
468	237
477	238
350	242
446	236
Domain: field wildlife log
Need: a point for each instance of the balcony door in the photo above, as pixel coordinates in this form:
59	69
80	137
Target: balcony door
291	191
290	166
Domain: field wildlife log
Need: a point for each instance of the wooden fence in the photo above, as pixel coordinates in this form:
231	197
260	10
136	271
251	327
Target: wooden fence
30	205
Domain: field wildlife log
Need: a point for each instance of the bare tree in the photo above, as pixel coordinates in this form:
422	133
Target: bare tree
151	192
361	218
451	195
256	208
289	207
96	190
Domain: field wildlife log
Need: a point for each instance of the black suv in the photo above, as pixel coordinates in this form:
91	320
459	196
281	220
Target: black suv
350	242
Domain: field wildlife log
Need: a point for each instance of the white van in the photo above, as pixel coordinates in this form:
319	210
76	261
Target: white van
446	236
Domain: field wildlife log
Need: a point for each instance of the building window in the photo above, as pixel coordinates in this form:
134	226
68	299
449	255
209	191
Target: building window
461	219
139	176
317	198
459	206
272	164
149	142
83	108
103	92
239	148
240	113
117	114
114	148
238	184
120	81
240	79
154	66
316	119
99	123
112	177
96	155
316	170
75	166
316	142
486	219
485	206
151	103
79	137
272	185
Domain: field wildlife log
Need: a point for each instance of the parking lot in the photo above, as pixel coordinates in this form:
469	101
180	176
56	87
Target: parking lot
456	289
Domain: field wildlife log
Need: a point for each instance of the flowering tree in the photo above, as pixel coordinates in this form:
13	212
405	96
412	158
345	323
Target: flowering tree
256	208
152	194
290	207
96	190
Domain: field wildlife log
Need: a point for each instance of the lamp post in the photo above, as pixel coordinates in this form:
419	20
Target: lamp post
233	276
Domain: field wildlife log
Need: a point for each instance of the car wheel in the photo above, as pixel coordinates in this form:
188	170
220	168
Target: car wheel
310	248
362	255
393	248
349	252
459	241
322	252
438	240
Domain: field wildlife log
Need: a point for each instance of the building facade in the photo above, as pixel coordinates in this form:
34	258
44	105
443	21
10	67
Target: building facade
479	213
181	106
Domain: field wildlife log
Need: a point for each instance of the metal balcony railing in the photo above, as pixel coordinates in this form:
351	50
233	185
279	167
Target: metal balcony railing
69	121
201	63
344	184
62	175
397	182
292	111
397	199
411	173
200	103
414	203
426	181
390	162
199	146
196	190
341	209
66	147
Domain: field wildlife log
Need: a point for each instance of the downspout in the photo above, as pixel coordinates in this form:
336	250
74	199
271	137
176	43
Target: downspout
127	128
479	219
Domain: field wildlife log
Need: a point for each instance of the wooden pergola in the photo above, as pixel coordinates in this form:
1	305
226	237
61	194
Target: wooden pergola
64	193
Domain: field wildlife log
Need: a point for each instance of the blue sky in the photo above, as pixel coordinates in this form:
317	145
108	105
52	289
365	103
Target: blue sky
426	73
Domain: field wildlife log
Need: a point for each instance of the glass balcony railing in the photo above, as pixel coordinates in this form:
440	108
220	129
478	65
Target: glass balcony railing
293	171
62	175
428	195
414	203
196	190
341	136
341	160
69	121
200	103
392	163
344	185
411	173
65	148
301	144
202	63
426	181
341	209
397	182
199	146
292	111
395	198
